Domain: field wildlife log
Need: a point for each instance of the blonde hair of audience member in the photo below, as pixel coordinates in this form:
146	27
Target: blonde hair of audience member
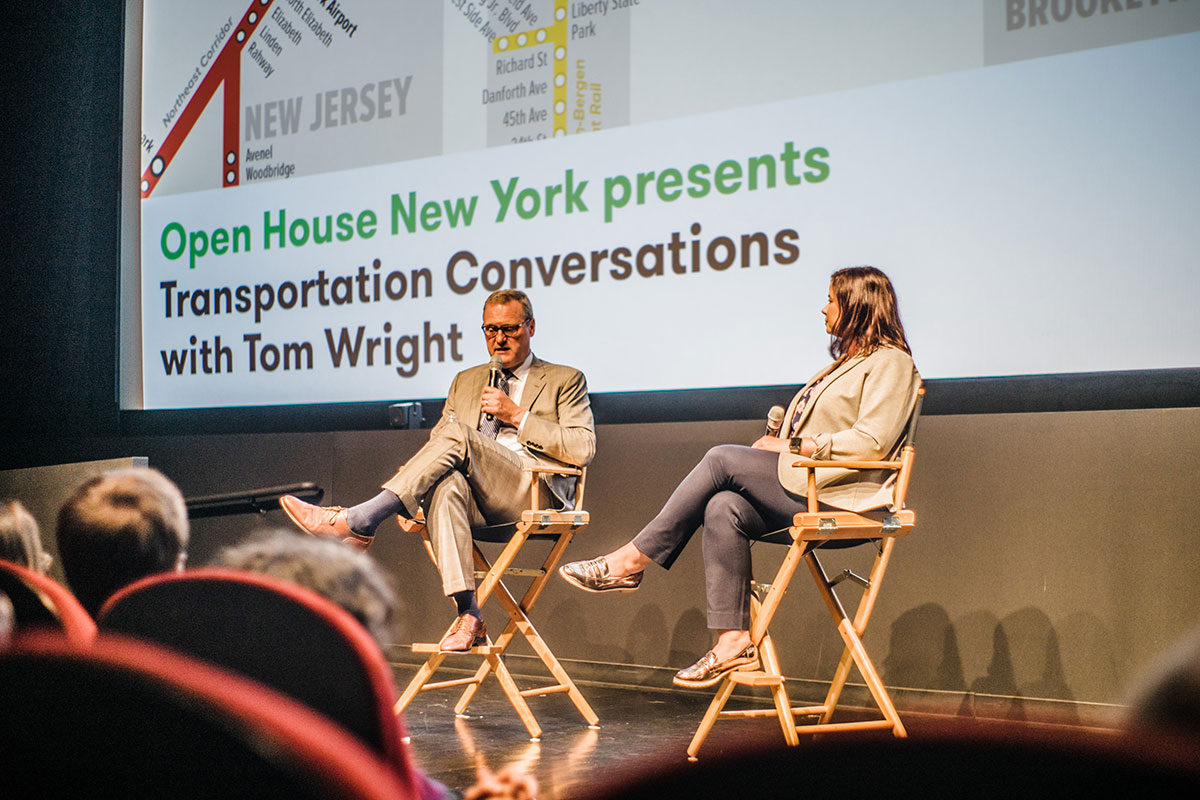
118	527
20	539
346	577
7	621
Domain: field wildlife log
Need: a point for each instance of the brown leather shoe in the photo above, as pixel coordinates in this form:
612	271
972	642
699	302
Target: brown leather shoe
326	521
467	631
707	672
592	576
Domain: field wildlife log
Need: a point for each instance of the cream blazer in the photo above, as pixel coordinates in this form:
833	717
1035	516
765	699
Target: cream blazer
858	412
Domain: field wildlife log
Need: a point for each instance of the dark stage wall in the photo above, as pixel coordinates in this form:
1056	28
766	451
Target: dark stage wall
1047	562
1054	554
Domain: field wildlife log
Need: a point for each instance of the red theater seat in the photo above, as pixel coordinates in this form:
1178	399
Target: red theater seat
275	632
130	719
40	602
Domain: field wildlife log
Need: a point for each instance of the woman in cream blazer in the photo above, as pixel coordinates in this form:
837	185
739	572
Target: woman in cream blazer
854	409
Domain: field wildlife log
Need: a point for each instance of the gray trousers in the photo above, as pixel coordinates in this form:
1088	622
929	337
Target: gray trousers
463	480
734	492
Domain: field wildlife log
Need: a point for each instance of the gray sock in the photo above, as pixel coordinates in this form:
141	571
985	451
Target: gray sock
364	518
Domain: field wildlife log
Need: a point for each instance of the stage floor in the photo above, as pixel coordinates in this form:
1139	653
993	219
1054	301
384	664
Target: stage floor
641	731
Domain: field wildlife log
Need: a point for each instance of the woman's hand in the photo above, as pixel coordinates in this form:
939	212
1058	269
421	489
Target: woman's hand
771	443
777	445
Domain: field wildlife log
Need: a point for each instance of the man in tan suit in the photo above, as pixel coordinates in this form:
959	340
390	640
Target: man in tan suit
470	472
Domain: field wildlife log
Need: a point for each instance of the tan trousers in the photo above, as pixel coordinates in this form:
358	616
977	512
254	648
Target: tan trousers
462	479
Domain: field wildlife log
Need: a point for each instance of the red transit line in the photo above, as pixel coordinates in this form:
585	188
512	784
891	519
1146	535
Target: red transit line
226	69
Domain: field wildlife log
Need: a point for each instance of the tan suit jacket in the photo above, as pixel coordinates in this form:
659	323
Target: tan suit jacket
859	411
559	428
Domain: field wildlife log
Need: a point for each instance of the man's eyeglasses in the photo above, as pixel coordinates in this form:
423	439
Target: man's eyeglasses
490	331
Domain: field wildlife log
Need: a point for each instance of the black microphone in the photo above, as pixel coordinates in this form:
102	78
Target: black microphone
494	372
774	420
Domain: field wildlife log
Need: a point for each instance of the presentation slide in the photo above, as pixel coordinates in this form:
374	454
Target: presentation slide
328	191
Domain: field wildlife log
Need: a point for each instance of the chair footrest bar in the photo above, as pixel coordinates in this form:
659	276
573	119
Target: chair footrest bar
755	678
449	684
516	572
809	711
866	725
556	689
481	650
749	713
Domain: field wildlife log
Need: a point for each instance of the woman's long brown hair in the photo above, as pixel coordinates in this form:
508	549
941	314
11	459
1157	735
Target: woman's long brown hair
868	313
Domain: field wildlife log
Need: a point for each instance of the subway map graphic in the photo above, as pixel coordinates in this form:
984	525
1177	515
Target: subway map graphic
242	91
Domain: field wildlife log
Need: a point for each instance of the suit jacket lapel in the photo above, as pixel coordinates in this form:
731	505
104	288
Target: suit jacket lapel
535	381
826	382
472	393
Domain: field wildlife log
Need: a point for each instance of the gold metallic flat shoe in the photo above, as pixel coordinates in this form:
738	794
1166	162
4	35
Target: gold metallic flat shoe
707	672
592	576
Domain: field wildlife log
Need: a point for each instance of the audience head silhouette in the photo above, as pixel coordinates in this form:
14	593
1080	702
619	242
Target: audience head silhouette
346	577
118	527
20	539
1167	695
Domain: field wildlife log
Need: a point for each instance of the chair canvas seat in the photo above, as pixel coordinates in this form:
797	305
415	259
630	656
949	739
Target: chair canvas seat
811	531
536	524
548	526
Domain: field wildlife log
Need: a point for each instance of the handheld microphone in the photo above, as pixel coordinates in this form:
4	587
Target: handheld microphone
774	420
494	372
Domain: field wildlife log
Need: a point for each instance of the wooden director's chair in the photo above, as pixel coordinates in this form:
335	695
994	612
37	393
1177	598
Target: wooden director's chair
536	523
809	530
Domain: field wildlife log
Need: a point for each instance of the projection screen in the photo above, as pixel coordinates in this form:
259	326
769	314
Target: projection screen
319	195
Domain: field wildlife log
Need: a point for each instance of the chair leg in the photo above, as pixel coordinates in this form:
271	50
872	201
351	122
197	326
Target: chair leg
469	693
419	680
871	676
710	717
555	668
861	617
519	622
509	687
840	676
493	584
482	564
783	706
855	651
770	675
761	612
